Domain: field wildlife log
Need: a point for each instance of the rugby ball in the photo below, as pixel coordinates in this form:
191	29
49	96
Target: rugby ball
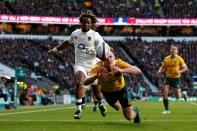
103	51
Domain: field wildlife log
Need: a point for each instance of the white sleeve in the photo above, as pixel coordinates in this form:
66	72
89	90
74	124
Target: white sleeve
98	40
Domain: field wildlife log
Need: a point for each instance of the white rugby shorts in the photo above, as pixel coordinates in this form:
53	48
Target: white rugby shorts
85	71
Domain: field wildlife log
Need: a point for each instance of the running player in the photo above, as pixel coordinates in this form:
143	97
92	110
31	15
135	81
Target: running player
85	40
173	66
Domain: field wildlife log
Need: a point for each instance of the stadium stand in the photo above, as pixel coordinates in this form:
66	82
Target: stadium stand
103	8
32	55
149	56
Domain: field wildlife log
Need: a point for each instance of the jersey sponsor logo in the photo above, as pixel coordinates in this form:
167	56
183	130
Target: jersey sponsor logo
89	38
75	37
174	62
87	50
82	47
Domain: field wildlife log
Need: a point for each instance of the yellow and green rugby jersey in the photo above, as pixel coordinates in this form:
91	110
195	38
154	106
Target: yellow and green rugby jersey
171	65
111	81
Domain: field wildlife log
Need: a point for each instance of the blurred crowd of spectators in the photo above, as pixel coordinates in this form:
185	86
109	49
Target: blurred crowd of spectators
177	8
103	8
149	56
32	54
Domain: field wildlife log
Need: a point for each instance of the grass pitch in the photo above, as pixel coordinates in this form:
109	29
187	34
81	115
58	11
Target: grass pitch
60	118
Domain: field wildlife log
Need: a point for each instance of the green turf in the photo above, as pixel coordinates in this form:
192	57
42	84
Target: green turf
60	118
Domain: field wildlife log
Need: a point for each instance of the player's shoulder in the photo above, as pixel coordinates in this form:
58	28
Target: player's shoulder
99	63
92	32
77	31
120	62
97	66
179	57
167	57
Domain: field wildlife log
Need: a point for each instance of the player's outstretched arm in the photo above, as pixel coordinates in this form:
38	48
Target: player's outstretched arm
89	80
60	47
131	70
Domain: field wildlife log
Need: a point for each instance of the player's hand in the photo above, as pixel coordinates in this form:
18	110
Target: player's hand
101	72
159	73
91	52
118	71
51	52
177	72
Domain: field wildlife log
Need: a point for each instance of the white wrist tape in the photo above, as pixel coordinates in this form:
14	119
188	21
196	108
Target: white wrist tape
55	50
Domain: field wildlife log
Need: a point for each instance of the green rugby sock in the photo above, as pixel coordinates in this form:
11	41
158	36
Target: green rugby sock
166	104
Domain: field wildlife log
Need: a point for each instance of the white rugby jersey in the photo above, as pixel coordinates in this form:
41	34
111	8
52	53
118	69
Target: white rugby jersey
84	41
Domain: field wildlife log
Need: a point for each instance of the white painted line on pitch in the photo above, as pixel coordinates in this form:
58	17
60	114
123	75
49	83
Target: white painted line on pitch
193	103
25	112
42	110
150	120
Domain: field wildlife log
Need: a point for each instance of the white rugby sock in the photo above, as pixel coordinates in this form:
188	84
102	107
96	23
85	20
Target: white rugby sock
78	104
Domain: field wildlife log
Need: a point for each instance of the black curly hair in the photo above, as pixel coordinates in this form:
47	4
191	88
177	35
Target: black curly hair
89	15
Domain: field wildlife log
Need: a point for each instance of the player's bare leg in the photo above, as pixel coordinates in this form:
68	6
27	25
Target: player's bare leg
165	92
129	114
117	106
178	94
83	105
95	103
80	91
98	95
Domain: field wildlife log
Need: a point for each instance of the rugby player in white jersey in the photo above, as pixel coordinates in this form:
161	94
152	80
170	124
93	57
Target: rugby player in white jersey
85	40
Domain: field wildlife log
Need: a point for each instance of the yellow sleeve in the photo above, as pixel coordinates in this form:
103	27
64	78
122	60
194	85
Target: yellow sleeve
182	62
95	69
122	64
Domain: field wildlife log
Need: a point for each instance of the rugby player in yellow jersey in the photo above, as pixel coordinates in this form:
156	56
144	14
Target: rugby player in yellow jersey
173	66
110	77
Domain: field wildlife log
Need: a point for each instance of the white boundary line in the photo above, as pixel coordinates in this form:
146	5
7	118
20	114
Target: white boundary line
193	103
60	108
25	112
151	120
41	110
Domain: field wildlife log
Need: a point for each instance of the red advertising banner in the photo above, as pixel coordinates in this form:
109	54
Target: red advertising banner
189	21
39	19
102	21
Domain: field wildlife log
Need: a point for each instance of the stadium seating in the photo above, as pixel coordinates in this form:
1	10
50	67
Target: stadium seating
149	56
103	8
32	54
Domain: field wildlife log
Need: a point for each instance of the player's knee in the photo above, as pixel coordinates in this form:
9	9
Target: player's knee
164	94
128	116
116	107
